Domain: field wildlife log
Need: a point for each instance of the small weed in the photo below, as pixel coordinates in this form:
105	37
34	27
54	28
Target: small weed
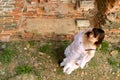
105	47
47	48
32	43
7	55
22	69
113	62
117	48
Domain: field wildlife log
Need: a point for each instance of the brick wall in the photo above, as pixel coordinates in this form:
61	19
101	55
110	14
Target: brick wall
16	15
7	22
10	13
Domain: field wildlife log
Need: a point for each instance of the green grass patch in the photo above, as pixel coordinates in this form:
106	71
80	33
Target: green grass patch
105	47
117	48
55	49
32	43
46	48
66	42
6	55
23	69
54	45
113	62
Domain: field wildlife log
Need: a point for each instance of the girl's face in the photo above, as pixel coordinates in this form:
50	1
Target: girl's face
92	38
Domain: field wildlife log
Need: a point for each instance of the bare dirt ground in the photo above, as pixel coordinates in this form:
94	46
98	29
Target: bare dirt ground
39	60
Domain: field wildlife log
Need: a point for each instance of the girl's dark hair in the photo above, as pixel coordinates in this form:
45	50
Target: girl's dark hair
98	32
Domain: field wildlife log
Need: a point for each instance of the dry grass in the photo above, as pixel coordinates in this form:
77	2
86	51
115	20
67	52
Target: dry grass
42	59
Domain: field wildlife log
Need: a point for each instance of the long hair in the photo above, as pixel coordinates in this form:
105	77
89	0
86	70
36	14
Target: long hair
97	33
100	34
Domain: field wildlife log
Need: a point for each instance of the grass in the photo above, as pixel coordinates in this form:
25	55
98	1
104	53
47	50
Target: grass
94	62
6	55
46	48
54	45
46	66
32	43
117	48
105	47
55	49
23	69
113	62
